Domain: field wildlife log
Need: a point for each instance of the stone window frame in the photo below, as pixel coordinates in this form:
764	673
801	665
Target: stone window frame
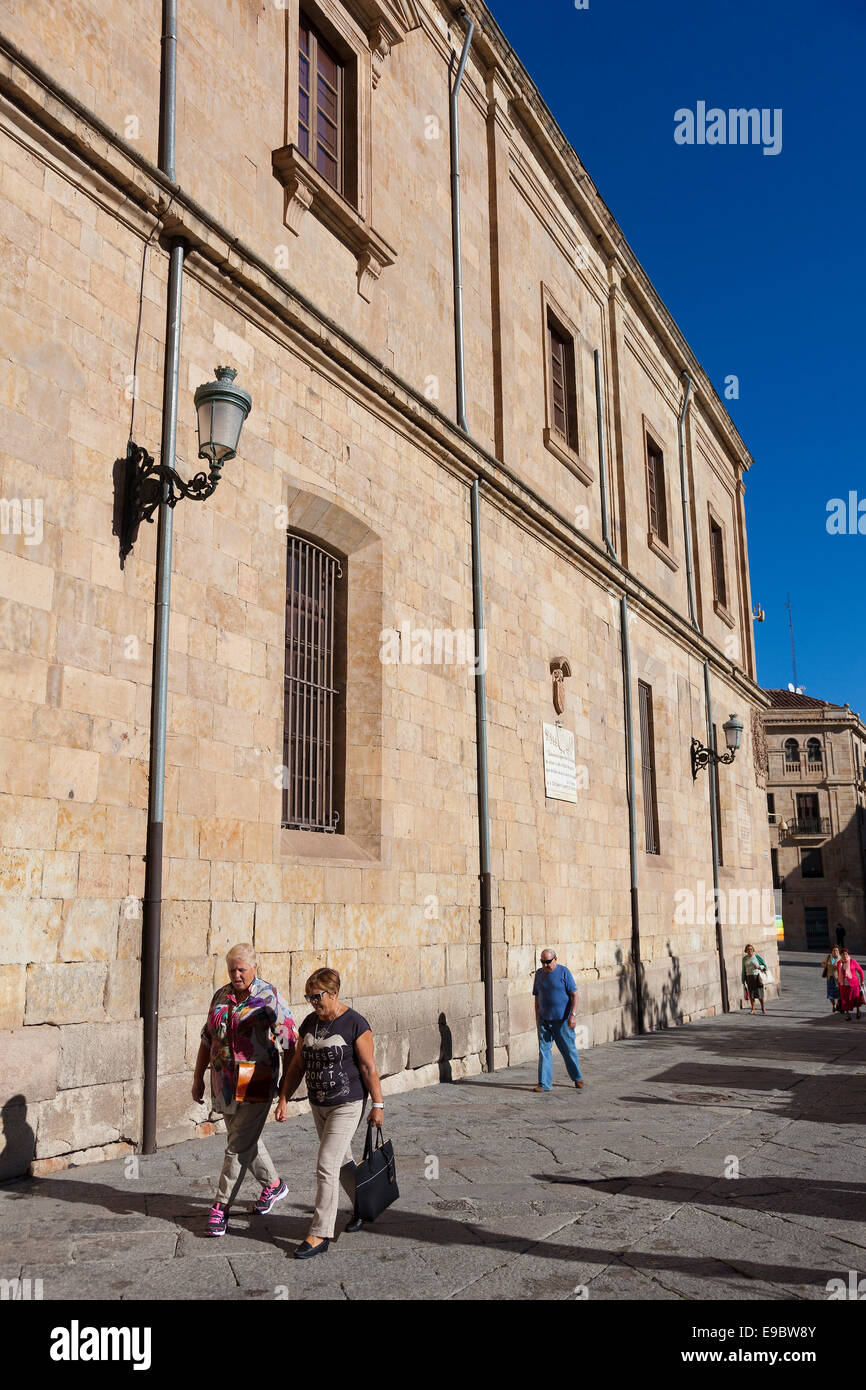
362	35
654	541
720	606
810	854
358	840
572	458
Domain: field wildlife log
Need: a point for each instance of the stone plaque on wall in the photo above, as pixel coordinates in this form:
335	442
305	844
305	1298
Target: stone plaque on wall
560	772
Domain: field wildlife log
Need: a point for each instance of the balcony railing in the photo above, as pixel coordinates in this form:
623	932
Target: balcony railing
792	769
809	825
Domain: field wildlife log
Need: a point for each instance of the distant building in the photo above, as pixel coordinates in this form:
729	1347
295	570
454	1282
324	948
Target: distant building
816	801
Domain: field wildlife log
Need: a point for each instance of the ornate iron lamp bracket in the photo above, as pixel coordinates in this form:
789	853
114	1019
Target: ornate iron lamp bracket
144	482
703	756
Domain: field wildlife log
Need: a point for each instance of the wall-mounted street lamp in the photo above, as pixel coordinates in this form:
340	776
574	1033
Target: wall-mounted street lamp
222	409
702	756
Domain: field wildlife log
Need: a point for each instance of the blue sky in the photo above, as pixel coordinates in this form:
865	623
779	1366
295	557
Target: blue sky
760	259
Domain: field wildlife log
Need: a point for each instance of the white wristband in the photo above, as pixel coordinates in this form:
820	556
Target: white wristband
377	1105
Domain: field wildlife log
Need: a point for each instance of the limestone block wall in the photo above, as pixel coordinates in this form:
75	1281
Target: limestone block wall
341	452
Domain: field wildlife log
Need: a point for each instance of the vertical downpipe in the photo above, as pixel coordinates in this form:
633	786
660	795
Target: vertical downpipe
485	878
152	907
628	713
456	243
711	737
714	831
684	490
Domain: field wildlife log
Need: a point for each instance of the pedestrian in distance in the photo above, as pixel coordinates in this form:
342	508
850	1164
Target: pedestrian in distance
248	1028
336	1056
840	936
753	970
555	1016
829	966
849	973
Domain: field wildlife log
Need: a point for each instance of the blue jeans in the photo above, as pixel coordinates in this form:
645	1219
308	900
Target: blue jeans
550	1031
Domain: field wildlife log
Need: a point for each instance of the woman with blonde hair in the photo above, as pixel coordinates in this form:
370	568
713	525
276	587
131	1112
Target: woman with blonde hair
753	980
336	1056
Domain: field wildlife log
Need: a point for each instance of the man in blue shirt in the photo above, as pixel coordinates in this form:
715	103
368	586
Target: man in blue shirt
555	1015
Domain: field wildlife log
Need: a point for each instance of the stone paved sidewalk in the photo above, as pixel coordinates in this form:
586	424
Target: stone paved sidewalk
619	1190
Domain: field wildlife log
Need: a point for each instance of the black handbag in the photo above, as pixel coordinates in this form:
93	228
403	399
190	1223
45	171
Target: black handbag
375	1178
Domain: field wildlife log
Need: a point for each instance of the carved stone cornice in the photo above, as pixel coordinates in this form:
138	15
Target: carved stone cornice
386	22
306	190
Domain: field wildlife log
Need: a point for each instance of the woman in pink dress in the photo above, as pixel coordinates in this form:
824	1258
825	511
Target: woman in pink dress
850	976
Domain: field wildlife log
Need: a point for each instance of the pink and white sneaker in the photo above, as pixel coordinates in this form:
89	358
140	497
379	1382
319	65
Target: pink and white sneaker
216	1222
268	1196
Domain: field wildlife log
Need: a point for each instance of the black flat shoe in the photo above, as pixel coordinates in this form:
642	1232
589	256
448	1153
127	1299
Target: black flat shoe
307	1251
355	1224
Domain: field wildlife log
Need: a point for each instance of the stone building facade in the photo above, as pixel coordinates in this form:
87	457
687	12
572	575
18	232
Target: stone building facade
816	806
337	311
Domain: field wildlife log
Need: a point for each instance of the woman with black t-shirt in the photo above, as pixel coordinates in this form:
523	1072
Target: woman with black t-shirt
335	1053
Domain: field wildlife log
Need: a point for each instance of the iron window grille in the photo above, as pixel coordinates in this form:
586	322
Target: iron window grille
648	770
313	702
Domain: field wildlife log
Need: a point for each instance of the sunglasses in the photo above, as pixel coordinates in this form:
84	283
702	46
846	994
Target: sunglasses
316	998
552	961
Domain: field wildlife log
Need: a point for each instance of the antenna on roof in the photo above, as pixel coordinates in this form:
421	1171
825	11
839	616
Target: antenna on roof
795	688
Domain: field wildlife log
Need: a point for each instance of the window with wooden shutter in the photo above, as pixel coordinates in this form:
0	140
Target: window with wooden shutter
563	392
656	492
313	715
321	82
648	769
717	549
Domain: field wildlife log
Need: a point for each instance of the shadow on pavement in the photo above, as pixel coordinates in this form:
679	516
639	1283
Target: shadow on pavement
845	1201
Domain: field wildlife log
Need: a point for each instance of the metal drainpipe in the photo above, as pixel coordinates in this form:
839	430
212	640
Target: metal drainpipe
714	829
684	489
152	906
485	877
711	737
456	243
628	713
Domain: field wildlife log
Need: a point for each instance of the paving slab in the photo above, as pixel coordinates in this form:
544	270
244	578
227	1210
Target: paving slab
624	1190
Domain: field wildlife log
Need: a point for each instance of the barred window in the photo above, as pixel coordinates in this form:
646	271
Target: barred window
313	737
648	769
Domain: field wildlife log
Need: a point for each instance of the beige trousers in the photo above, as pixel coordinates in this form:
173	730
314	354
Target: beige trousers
335	1125
245	1149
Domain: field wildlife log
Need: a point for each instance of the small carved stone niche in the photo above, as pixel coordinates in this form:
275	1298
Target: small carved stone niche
560	669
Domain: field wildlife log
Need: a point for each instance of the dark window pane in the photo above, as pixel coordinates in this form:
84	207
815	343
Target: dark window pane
326	166
327	99
327	135
328	68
